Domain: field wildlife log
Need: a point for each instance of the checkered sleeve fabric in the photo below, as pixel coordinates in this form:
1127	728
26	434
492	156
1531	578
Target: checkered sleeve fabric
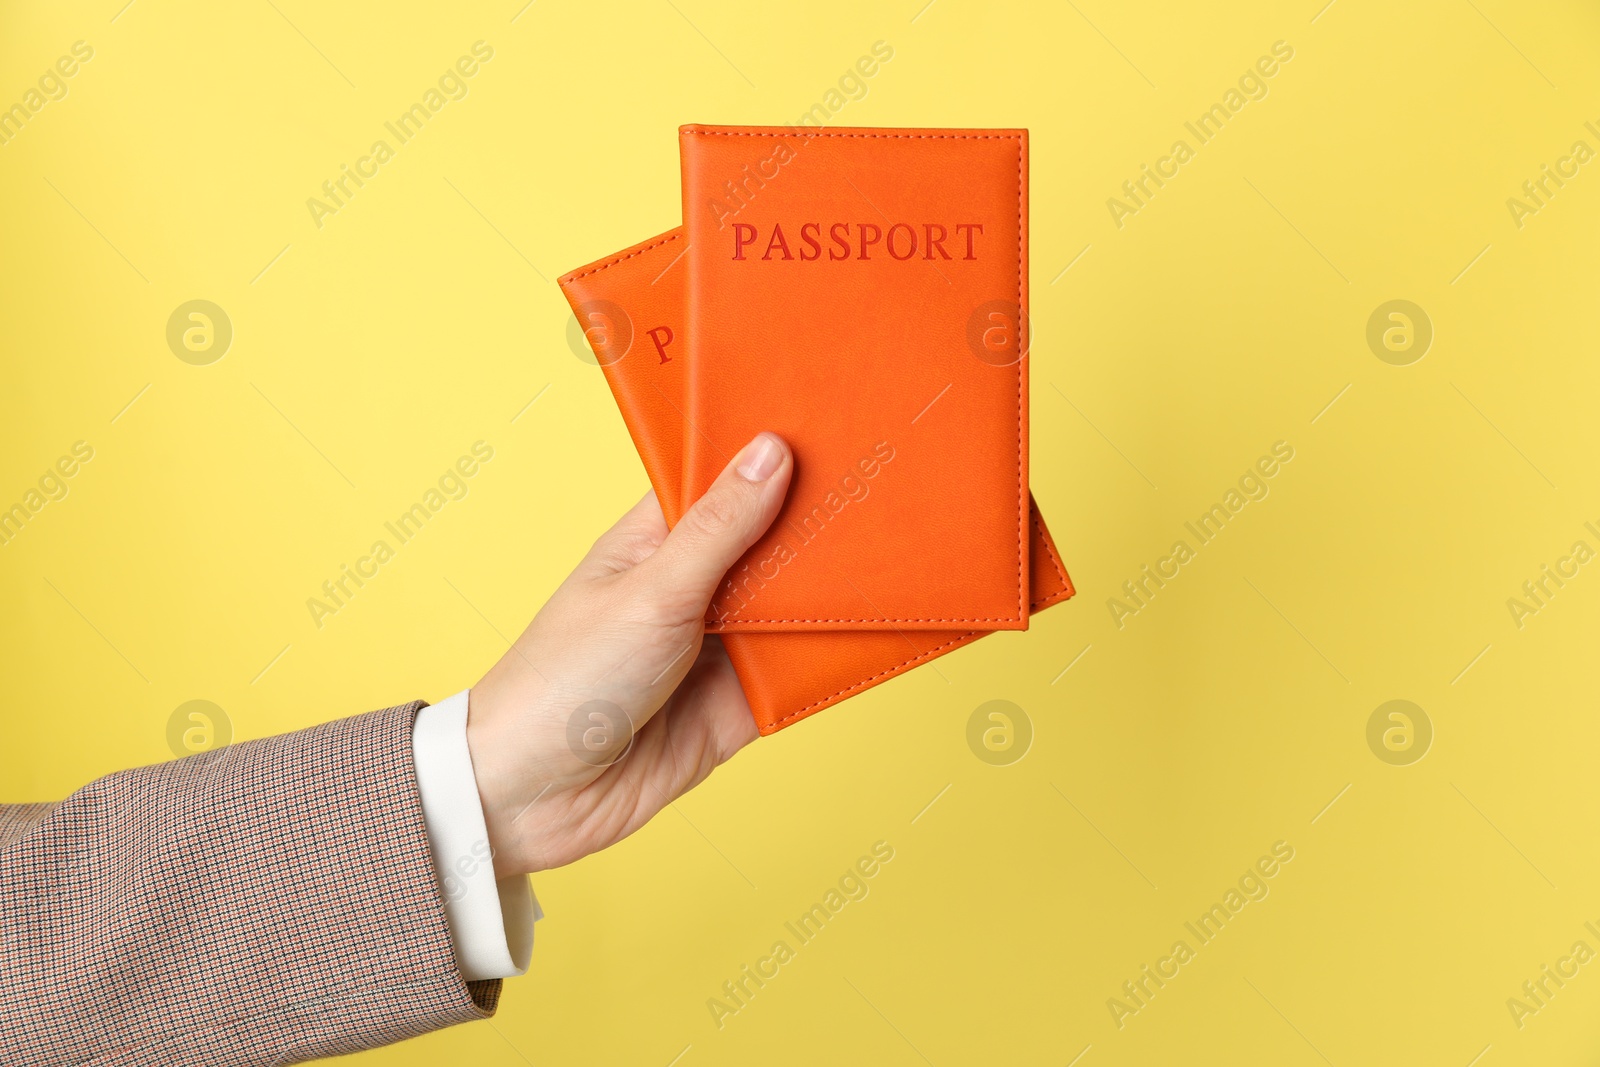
268	903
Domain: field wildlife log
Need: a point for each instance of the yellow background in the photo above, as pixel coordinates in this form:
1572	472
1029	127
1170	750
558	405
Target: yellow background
1224	316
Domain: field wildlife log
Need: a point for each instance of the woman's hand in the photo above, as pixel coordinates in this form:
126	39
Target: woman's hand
614	702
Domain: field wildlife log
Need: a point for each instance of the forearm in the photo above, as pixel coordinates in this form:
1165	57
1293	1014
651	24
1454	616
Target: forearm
277	896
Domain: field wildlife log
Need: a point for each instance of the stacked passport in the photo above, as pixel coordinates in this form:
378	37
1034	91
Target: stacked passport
863	293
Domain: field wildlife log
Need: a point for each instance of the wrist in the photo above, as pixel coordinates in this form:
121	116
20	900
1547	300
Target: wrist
495	782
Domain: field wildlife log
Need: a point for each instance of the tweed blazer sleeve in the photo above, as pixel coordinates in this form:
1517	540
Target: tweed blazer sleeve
268	903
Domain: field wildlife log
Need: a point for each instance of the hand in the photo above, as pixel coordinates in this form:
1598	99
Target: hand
618	657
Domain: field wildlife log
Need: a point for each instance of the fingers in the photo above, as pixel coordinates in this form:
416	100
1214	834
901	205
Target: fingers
726	521
635	536
705	724
724	705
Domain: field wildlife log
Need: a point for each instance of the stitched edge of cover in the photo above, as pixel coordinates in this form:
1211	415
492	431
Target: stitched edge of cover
1055	560
584	272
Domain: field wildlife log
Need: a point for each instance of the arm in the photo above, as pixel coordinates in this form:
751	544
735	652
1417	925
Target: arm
270	902
299	896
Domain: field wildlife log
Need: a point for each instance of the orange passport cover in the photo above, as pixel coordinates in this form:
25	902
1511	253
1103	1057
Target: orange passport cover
859	292
631	307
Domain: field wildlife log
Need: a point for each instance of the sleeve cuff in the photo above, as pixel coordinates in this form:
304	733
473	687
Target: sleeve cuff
491	923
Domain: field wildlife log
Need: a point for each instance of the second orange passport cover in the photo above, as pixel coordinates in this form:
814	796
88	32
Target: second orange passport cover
854	291
631	308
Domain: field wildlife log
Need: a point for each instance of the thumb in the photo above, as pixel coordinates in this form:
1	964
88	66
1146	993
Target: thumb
723	523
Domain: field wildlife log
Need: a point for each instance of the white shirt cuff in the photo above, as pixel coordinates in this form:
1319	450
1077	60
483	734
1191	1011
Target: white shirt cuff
491	923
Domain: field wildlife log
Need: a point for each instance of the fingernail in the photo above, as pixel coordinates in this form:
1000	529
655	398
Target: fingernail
760	458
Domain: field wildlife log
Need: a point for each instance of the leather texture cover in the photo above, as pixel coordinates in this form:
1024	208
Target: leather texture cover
631	307
863	293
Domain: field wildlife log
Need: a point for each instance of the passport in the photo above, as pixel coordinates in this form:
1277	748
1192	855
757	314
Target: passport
863	293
